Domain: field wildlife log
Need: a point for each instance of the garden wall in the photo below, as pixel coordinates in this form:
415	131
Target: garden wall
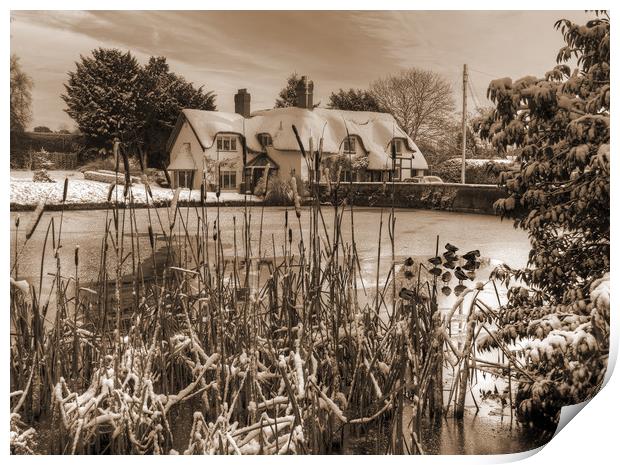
471	198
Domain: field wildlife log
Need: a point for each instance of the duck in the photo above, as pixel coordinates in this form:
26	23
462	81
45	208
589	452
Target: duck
435	260
471	265
471	255
460	274
451	248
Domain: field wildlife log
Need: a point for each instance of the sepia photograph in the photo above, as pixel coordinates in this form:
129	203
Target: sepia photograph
321	232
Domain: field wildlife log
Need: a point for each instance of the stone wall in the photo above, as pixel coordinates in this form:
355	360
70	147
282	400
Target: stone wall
471	198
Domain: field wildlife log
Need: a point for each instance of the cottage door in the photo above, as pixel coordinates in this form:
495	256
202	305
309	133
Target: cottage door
257	173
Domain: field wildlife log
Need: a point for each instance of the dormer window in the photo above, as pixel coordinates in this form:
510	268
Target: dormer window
226	143
265	139
349	144
398	145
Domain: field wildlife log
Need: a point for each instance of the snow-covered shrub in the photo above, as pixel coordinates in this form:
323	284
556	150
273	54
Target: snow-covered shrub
263	183
22	439
336	165
475	173
566	347
279	192
559	193
156	177
41	176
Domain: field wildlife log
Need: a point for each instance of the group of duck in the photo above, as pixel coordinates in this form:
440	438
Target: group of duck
451	261
453	266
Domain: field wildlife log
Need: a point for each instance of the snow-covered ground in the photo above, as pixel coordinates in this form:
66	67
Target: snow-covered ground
24	192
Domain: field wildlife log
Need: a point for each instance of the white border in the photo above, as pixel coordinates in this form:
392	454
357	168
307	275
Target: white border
590	437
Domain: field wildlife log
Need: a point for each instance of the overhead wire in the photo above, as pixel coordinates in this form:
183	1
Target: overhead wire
483	72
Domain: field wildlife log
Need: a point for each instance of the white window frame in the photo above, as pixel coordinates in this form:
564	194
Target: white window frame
350	144
187	176
398	169
398	143
226	143
346	176
226	176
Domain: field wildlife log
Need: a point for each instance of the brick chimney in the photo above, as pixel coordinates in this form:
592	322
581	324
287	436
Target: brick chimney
242	103
304	92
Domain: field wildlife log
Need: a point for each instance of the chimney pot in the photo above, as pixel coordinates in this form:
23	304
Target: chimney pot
304	91
242	103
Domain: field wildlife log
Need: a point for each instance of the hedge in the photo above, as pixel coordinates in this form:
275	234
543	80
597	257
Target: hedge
475	173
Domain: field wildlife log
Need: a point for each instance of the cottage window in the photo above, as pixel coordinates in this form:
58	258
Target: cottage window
398	145
376	176
398	169
265	140
185	178
345	176
228	180
349	144
227	143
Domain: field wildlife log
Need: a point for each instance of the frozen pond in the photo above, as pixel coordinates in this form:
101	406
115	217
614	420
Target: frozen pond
416	232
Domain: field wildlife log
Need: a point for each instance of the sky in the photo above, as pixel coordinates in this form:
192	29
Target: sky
227	50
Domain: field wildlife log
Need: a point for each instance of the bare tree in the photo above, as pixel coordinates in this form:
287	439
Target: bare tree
421	102
21	98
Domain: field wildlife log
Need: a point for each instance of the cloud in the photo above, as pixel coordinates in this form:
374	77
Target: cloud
226	50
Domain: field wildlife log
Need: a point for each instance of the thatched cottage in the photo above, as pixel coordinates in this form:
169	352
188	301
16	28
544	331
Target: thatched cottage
209	144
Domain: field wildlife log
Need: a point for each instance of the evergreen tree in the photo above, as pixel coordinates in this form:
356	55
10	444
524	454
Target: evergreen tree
288	95
110	95
165	95
354	100
103	96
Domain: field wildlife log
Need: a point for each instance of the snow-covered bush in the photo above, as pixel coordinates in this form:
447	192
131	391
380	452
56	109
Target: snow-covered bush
41	176
22	439
559	193
279	192
566	346
475	173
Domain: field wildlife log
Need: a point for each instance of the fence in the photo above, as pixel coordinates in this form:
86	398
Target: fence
52	161
59	149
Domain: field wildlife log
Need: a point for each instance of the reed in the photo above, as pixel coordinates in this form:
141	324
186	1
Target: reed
256	353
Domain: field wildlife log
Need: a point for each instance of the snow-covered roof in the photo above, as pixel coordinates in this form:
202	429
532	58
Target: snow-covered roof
418	162
184	160
375	130
261	161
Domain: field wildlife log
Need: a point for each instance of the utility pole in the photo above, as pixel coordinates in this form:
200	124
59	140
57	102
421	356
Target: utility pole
464	122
